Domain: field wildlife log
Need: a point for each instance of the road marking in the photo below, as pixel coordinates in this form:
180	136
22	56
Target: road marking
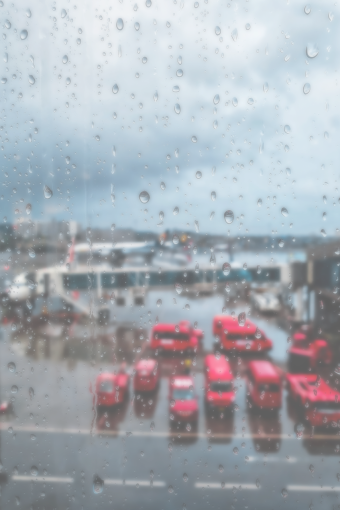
141	483
272	459
163	433
214	485
314	488
46	479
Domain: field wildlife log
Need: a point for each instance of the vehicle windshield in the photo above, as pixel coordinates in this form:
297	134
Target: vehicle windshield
106	386
269	388
183	394
168	335
221	387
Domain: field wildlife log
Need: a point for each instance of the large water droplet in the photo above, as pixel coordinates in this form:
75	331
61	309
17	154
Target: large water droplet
194	139
23	35
65	59
8	24
34	471
265	87
197	227
11	366
31	253
97	485
306	88
307	9
28	13
284	212
284	493
3	80
155	96
229	217
179	73
234	101
251	101
137	26
175	211
31	393
115	88
120	24
175	239
198	174
312	50
216	99
287	129
234	34
235	450
144	197
48	193
215	124
28	208
213	196
148	3
63	13
226	268
31	80
242	318
217	31
177	108
259	202
178	288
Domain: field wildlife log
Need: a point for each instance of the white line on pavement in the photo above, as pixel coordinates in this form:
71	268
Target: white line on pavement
135	483
314	488
214	485
46	479
272	459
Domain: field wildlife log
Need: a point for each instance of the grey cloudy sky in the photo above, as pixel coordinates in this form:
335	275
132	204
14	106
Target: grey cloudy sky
62	126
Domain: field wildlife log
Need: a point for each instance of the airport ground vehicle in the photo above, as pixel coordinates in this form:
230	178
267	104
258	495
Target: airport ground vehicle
183	404
219	390
306	351
265	302
264	385
179	338
146	376
319	403
112	388
230	335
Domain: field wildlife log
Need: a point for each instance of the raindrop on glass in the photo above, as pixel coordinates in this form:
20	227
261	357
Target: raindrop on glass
115	88
216	99
226	268
284	212
144	197
177	108
120	24
306	88
229	217
48	193
312	50
23	35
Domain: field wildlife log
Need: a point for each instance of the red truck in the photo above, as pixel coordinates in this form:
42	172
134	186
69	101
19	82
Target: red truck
112	388
306	352
230	335
219	388
264	387
180	338
319	403
146	376
183	401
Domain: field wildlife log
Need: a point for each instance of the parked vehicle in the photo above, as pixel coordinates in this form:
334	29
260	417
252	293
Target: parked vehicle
265	302
112	388
219	389
146	376
264	387
230	335
179	338
306	351
318	402
183	401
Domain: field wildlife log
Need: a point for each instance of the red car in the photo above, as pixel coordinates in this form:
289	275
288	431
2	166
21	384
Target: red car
264	385
146	376
232	336
112	388
320	403
306	352
180	337
219	390
183	400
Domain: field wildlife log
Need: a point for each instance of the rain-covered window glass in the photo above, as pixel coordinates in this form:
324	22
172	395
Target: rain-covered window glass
169	254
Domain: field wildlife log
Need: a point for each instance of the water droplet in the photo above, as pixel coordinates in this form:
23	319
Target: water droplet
215	124
31	253
234	34
216	99
257	333
31	80
144	60
251	101
323	232
162	186
178	288
330	16
175	211
3	80
23	35
48	193
148	3
97	485
120	24
11	366
144	197
226	268
235	450
170	489
68	81
229	217
115	88
177	108
34	471
306	88
65	59
175	88
284	493
324	216
137	26
194	139
287	129
281	243
259	202
312	50
242	318
198	174
307	9
28	208
311	468
197	268
196	5
14	389
265	87
248	27
213	196
212	259
234	101
78	40
63	13
31	393
175	239
28	13
217	31
8	24
155	96
284	212
185	477
221	468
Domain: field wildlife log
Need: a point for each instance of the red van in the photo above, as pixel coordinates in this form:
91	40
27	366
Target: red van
183	400
264	387
230	335
306	351
180	337
219	389
146	376
111	388
318	401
